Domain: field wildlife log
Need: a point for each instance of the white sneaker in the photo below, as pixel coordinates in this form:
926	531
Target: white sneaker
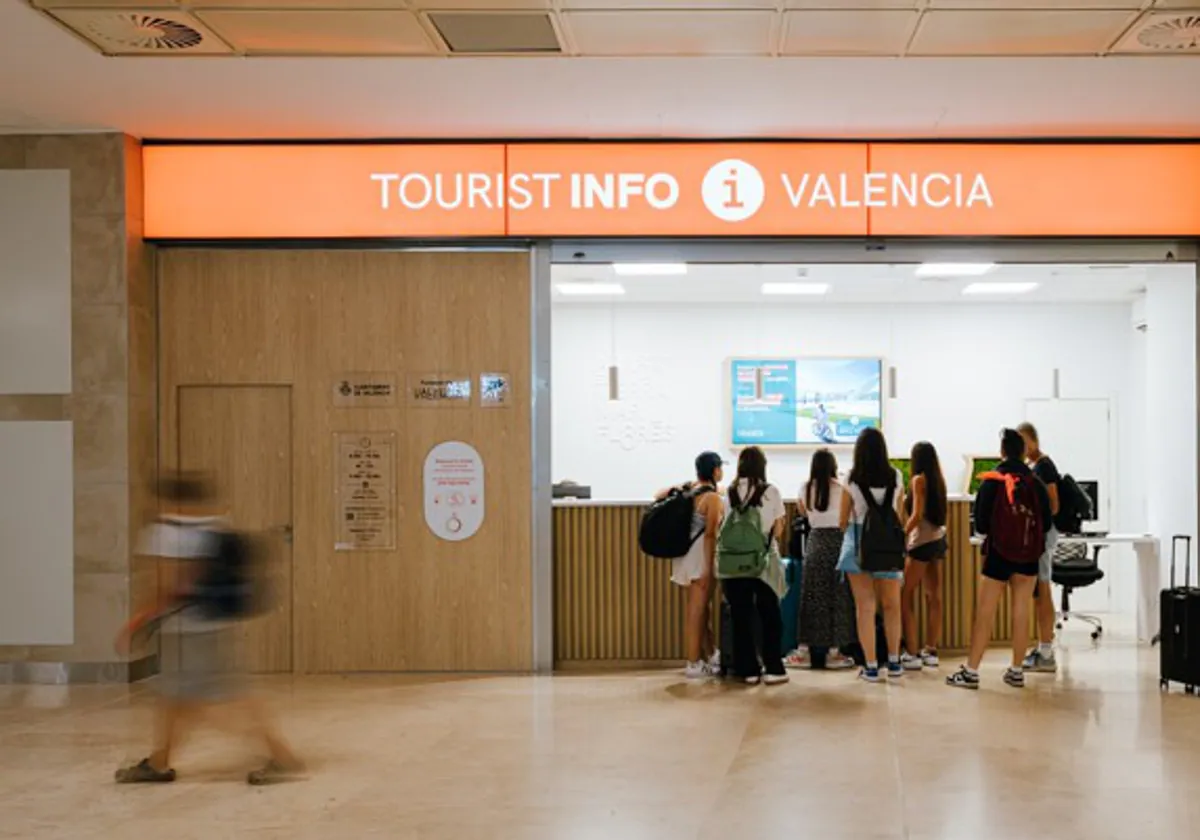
753	680
838	662
776	679
714	662
697	671
930	658
911	663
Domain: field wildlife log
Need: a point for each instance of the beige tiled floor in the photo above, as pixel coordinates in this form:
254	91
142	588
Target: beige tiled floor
1094	753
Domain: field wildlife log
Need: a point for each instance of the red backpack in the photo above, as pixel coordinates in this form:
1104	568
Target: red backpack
1015	532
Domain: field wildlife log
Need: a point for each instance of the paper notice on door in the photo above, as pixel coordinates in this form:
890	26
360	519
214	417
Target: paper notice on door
454	493
365	491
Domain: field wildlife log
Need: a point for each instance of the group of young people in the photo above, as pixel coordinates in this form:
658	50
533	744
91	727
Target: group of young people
872	545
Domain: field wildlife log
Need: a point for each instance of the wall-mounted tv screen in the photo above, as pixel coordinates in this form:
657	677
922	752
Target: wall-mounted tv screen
804	402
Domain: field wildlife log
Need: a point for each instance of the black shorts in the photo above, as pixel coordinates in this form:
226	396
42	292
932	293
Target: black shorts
997	568
930	551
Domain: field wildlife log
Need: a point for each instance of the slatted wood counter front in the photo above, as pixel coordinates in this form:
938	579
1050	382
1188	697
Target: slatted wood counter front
615	607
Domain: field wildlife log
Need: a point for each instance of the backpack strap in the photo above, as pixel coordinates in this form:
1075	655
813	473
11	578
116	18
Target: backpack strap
869	497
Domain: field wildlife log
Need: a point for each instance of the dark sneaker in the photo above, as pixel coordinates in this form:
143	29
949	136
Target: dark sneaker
962	678
895	670
870	675
1041	663
1015	677
143	773
273	773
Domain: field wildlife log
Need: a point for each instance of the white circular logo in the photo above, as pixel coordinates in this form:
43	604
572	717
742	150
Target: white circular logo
733	190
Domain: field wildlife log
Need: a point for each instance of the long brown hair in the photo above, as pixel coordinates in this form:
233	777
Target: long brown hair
925	462
872	468
752	466
822	472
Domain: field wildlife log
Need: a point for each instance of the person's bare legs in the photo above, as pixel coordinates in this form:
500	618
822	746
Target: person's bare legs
696	613
933	605
914	574
171	721
863	587
889	597
985	615
1046	614
1022	593
708	643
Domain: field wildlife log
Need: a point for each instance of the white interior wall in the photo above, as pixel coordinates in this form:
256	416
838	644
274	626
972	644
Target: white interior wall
963	372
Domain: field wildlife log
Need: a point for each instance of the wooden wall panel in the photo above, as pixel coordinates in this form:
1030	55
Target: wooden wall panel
615	606
303	317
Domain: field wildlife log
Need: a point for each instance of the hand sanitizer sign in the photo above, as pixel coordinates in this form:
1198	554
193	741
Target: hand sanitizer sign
454	496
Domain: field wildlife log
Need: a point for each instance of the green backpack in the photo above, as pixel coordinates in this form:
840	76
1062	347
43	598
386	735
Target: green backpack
742	550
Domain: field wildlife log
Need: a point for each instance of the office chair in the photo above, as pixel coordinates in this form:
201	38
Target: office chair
1073	569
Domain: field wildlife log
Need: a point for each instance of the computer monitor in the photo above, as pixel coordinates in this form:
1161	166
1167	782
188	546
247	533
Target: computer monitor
1092	488
570	490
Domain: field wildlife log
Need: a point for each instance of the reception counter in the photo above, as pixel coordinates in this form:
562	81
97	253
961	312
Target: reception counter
616	608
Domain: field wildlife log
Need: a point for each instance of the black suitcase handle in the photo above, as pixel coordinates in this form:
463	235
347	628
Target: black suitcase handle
1187	560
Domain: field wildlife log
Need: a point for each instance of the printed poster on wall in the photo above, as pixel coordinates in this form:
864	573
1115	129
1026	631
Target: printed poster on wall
434	390
790	402
365	491
454	493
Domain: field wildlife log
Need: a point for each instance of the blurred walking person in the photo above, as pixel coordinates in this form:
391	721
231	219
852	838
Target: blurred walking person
208	584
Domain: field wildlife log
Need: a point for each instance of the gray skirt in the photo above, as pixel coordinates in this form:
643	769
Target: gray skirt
826	606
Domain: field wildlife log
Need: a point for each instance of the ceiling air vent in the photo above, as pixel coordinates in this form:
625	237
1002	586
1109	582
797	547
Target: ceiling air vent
1164	33
492	33
160	32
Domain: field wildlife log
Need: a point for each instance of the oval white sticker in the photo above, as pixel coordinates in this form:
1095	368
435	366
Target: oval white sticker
454	493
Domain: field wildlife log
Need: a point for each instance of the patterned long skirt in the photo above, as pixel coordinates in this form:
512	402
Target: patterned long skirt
826	606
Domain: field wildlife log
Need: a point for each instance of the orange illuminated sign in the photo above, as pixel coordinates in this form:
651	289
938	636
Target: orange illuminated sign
671	189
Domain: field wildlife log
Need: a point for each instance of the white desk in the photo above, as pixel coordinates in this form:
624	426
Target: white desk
1146	547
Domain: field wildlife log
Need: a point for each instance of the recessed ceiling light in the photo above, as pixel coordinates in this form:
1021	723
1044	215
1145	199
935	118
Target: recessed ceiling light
954	269
649	269
590	289
795	288
999	288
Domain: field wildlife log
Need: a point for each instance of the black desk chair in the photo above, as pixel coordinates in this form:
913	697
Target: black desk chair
1073	569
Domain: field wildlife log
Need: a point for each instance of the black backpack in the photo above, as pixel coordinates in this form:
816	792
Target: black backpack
1074	506
232	584
881	543
666	528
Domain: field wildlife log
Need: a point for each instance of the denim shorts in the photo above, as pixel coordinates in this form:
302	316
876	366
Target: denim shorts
848	560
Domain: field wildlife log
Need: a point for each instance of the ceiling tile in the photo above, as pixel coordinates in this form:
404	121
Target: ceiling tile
851	5
496	33
104	4
848	32
1017	32
327	5
473	5
1129	5
663	5
672	32
322	33
160	32
1165	32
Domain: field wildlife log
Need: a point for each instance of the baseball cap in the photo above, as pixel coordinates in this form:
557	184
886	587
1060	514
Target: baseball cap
707	463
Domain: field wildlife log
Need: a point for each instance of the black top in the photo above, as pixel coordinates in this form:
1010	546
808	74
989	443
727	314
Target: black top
1047	471
985	499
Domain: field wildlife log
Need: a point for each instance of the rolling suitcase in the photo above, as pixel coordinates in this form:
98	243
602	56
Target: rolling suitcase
1180	635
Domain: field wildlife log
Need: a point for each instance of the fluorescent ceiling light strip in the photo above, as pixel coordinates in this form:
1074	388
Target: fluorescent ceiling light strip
795	288
999	288
649	269
954	269
590	289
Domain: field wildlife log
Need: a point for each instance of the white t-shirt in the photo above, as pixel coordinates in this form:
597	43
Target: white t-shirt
772	504
831	516
182	538
859	513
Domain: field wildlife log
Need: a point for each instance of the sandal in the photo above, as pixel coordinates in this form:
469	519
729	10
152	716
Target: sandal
274	772
143	773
